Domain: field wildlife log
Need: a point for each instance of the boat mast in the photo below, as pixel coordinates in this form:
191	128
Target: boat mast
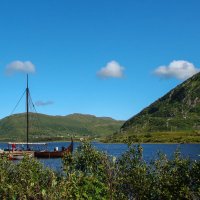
27	112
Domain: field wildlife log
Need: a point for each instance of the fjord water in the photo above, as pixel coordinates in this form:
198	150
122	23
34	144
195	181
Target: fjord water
149	151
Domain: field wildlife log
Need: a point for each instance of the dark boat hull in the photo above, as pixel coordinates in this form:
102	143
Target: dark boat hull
49	154
54	154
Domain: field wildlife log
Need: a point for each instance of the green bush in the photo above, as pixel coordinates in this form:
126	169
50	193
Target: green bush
89	169
27	179
91	174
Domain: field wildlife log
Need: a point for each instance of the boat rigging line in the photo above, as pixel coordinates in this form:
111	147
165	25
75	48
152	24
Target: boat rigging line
18	103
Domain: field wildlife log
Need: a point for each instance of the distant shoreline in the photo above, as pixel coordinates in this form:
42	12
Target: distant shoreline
135	143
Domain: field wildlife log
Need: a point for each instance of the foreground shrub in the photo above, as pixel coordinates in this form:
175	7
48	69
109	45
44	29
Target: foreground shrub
130	177
163	178
88	170
91	174
133	178
27	179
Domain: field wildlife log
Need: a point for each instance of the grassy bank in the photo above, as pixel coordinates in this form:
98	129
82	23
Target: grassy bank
156	137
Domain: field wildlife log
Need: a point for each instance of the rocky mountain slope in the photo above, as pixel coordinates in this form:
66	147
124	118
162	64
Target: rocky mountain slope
176	112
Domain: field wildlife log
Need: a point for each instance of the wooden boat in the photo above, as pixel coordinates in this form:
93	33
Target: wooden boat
55	153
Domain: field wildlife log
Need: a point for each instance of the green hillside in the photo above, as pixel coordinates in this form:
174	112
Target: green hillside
173	118
45	127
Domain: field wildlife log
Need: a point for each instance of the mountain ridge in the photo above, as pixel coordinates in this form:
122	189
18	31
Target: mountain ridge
47	127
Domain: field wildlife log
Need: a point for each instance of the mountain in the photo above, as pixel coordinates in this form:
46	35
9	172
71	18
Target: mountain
45	127
175	117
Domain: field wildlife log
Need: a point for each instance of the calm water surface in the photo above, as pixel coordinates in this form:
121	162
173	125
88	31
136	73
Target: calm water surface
149	151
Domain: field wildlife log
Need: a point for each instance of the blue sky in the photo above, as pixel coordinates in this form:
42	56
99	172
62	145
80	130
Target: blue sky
101	57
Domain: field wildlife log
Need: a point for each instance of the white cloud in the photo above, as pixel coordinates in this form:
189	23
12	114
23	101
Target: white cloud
112	69
43	103
19	66
179	69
